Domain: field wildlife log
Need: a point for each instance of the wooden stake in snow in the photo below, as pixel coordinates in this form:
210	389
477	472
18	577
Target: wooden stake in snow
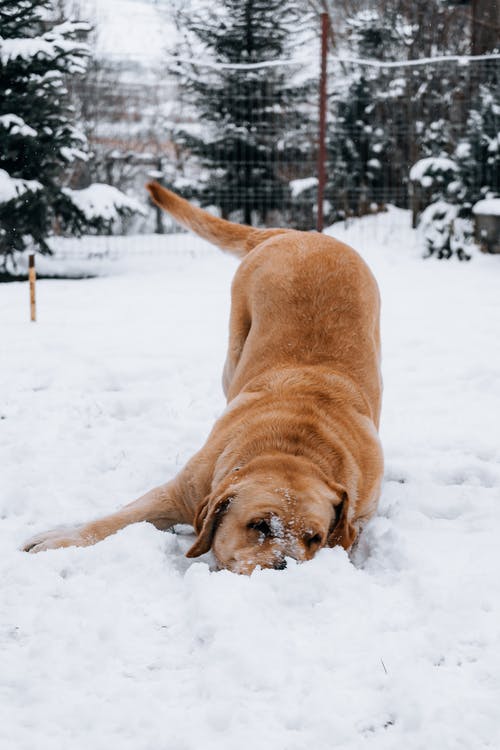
32	278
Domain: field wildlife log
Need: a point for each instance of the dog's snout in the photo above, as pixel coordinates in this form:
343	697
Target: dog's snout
280	565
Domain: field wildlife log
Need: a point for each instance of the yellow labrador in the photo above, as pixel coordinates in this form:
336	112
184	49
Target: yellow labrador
294	463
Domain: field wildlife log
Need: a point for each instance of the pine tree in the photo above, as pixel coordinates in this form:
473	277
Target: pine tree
478	151
454	180
250	121
39	139
361	143
383	120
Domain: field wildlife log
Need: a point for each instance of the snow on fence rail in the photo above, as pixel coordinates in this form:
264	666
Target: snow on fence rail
368	62
382	118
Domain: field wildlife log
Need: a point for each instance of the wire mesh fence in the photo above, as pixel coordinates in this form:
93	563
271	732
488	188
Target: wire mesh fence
383	119
243	140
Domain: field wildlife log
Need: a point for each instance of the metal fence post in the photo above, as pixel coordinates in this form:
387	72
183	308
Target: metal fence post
325	23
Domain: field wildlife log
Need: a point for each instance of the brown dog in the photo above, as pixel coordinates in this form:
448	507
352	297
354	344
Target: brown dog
294	463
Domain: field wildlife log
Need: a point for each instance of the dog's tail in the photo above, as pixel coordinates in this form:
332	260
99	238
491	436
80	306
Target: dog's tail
237	239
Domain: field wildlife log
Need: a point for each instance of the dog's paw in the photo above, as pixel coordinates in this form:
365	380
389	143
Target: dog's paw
63	536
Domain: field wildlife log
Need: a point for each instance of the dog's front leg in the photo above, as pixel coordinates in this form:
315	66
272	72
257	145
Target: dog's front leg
163	506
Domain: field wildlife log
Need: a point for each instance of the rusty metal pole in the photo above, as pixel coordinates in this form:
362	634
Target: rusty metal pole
325	24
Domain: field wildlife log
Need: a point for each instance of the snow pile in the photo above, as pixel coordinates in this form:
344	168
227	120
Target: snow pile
128	644
103	201
12	187
488	207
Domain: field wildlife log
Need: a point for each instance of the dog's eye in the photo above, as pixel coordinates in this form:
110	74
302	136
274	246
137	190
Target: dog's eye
261	526
313	541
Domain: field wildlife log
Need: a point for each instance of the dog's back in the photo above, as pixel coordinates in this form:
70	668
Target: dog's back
309	301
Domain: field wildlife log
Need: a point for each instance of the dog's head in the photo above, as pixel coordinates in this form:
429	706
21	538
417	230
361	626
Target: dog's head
268	511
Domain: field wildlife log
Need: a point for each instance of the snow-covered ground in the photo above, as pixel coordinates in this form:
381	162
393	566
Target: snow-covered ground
128	644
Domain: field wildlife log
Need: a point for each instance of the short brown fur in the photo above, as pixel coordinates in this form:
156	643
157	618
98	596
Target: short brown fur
294	464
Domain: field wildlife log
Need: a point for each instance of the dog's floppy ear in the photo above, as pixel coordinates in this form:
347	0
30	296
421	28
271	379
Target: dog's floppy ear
205	522
342	530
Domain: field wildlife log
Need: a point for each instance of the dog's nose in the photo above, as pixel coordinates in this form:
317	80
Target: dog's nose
281	565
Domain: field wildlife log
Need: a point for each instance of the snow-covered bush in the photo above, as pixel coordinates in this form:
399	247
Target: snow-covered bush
103	203
446	230
434	173
450	184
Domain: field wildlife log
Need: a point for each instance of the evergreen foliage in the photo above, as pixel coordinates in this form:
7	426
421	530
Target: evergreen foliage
39	140
383	120
478	152
362	147
461	176
249	124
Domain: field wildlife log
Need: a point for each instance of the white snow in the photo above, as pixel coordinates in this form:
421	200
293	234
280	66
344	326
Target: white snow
429	166
10	49
489	206
130	645
16	125
103	201
49	45
297	187
426	181
12	187
70	154
463	150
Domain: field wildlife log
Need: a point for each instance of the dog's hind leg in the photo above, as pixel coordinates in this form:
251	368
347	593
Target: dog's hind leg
239	328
